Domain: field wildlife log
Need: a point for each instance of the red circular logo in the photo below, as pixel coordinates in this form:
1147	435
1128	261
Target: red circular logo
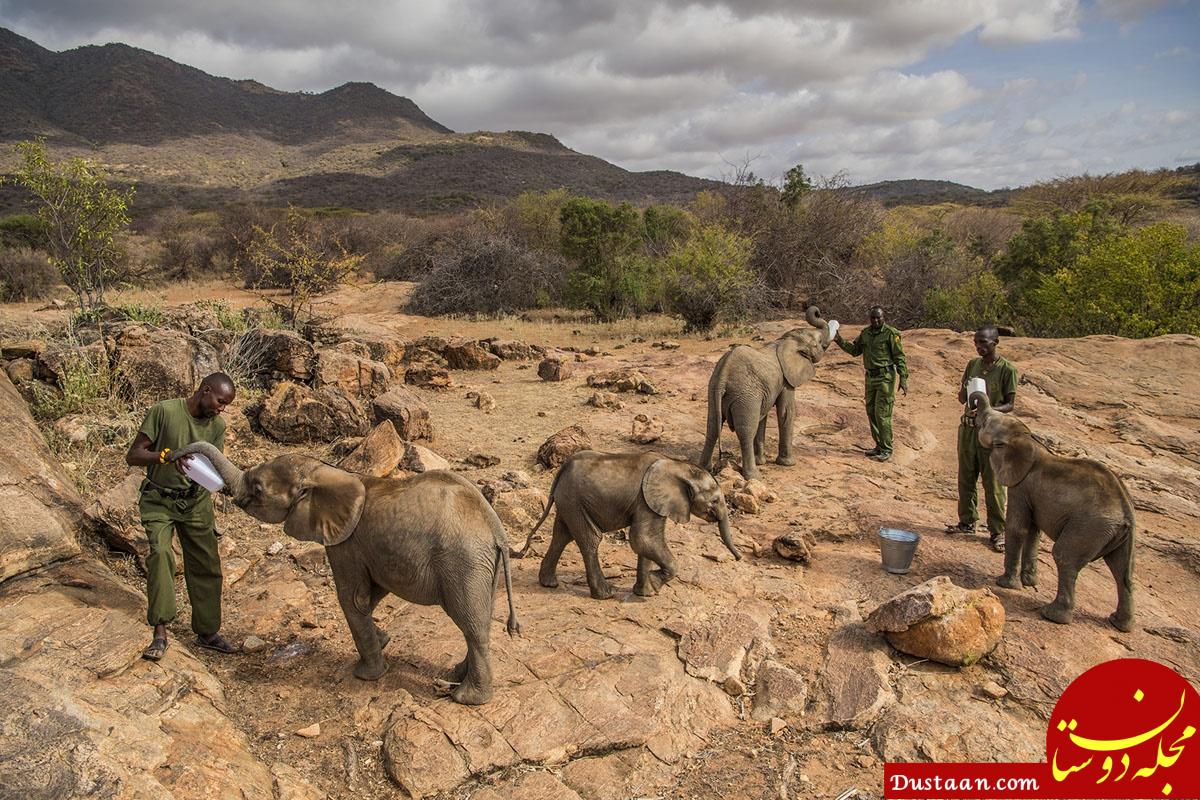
1127	723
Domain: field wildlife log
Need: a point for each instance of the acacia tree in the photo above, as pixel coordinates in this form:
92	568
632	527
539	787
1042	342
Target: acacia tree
81	215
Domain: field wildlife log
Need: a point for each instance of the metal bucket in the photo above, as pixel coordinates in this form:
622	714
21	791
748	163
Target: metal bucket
897	549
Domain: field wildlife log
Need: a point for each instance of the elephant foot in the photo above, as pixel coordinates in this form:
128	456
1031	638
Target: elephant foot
456	674
760	459
1121	623
1008	582
602	592
1029	580
644	590
751	473
1056	613
660	577
786	461
471	695
549	581
370	671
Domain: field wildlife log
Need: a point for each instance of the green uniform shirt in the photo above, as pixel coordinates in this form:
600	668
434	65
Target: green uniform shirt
1001	379
880	350
168	424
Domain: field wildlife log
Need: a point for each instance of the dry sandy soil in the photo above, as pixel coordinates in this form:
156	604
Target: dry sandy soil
591	699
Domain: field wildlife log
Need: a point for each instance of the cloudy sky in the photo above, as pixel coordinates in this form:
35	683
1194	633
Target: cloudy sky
985	92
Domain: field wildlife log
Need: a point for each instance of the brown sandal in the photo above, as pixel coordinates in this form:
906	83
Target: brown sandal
216	642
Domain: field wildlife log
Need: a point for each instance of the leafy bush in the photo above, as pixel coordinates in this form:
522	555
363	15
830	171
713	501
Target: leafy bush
1145	282
86	384
25	275
480	271
664	227
229	319
532	220
979	299
23	230
602	241
188	248
709	278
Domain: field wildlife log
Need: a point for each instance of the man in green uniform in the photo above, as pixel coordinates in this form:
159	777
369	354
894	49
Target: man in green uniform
883	358
1000	378
170	503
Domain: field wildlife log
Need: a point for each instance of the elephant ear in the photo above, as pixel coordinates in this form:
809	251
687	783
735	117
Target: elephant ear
667	489
328	507
796	365
1014	458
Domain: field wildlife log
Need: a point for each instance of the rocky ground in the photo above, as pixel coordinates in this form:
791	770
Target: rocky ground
755	678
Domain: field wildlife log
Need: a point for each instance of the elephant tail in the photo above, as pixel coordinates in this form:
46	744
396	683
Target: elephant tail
512	626
529	539
712	433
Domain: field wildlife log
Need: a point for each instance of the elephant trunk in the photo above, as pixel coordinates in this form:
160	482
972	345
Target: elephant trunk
726	534
813	315
230	474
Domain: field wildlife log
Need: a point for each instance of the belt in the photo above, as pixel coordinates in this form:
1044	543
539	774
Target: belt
875	372
193	490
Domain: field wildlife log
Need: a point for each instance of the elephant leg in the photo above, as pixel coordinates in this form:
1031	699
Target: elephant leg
470	607
760	440
1069	565
597	583
371	664
547	574
648	539
1029	557
1019	528
377	594
712	434
785	414
745	425
1120	563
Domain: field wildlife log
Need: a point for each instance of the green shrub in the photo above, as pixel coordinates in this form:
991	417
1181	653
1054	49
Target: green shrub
601	240
977	300
25	274
86	384
709	278
230	320
532	220
663	227
23	230
1143	283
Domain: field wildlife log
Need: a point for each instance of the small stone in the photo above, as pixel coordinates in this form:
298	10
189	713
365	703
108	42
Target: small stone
606	400
275	549
562	445
734	687
485	402
795	546
777	726
253	644
666	345
646	429
993	690
582	358
646	387
481	460
422	459
311	732
746	503
555	367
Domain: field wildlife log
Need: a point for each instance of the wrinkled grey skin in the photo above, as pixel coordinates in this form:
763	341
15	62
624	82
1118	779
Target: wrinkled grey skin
748	381
431	539
1080	504
601	492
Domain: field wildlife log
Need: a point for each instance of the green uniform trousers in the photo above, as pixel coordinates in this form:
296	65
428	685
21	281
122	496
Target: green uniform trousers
192	519
974	461
881	398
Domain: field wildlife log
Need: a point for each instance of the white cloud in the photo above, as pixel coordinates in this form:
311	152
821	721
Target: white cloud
1035	126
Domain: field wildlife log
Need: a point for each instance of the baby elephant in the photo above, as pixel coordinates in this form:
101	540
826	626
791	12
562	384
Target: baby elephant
431	539
601	492
1081	505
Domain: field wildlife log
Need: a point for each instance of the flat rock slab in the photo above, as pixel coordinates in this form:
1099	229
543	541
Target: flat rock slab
108	723
716	648
598	708
855	679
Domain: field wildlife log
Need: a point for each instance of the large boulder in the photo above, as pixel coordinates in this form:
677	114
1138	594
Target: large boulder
427	374
646	429
941	621
378	453
855	684
295	414
622	380
779	692
352	374
156	363
114	514
562	445
386	348
269	356
407	412
39	507
421	459
465	354
511	350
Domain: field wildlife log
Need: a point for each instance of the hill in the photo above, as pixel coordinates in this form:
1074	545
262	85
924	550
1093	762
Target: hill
189	138
914	192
